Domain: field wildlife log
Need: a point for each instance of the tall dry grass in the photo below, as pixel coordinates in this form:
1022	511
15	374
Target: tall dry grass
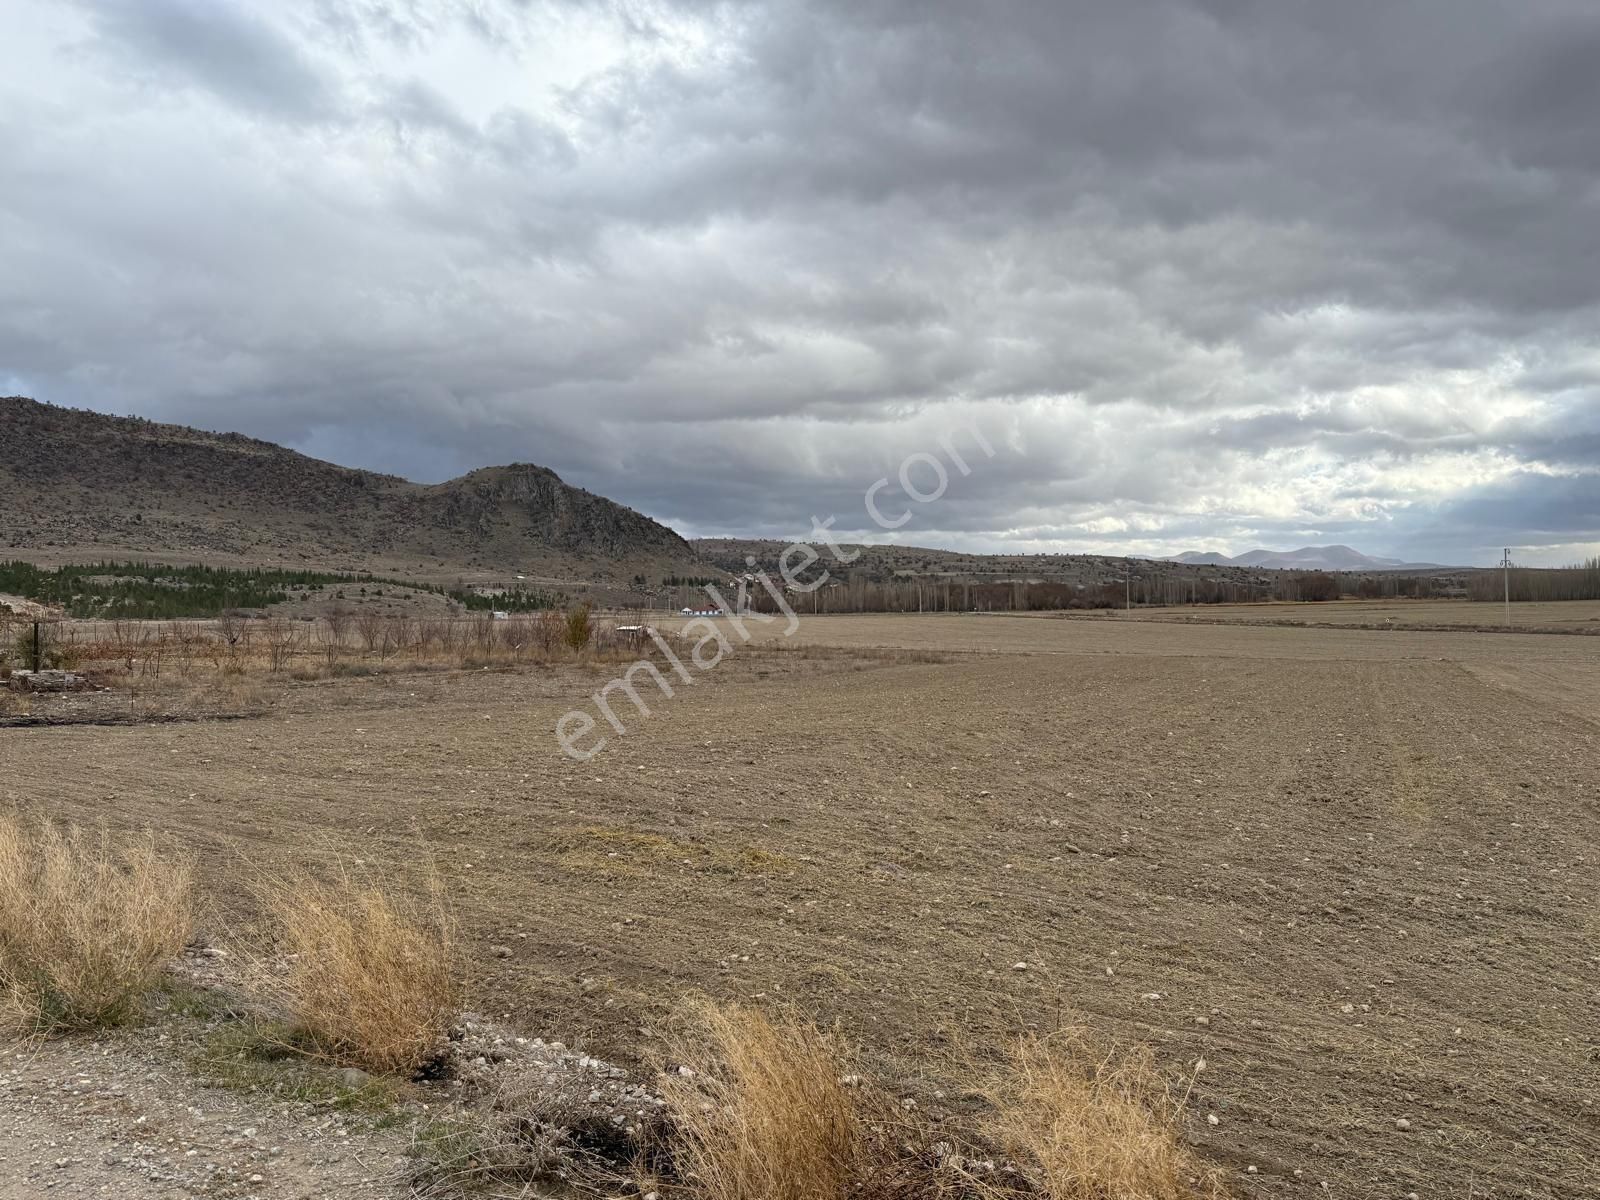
1095	1125
765	1115
364	971
762	1115
86	922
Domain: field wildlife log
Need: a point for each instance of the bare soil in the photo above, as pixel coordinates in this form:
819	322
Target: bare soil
1354	871
123	1117
1564	616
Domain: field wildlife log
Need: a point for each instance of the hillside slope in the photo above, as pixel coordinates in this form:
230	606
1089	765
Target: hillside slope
79	484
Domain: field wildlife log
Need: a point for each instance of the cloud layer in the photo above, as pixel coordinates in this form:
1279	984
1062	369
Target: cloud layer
1209	273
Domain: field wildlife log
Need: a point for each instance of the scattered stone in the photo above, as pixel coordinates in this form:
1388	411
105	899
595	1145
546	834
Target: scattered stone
1402	1124
46	681
500	951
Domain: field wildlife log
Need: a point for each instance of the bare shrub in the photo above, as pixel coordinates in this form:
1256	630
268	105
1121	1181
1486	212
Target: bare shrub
370	624
234	628
764	1114
549	631
1095	1125
283	641
453	643
483	635
520	635
86	922
331	635
431	632
399	635
364	972
187	640
129	639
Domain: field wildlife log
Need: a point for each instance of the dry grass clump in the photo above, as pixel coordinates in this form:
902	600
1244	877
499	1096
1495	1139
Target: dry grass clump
761	1108
364	972
763	1114
86	922
1095	1126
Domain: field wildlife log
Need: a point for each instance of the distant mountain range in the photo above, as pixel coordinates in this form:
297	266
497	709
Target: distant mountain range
1307	558
81	486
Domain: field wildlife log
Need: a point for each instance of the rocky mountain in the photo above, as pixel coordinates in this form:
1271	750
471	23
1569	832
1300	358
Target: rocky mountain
1307	558
77	485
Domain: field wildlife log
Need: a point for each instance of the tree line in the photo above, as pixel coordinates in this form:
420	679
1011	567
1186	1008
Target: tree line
1580	582
149	591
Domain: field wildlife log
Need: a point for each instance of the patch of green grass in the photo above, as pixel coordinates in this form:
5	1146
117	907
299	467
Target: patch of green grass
268	1057
178	998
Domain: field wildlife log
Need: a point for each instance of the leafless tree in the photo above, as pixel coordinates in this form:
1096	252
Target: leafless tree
188	639
129	638
549	629
233	628
369	627
283	641
332	634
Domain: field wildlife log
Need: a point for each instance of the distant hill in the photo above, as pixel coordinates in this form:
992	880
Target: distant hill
1307	558
896	560
900	561
80	485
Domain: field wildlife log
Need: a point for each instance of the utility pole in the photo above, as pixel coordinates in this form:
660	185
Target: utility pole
1505	564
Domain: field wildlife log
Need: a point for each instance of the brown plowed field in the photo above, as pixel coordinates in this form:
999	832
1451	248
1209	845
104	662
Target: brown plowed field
1366	860
1571	616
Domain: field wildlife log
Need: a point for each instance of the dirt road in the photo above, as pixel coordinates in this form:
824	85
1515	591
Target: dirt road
1356	872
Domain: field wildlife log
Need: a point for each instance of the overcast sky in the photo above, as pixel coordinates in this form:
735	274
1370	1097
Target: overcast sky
1207	273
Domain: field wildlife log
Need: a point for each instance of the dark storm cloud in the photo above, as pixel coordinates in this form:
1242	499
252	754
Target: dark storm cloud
1524	509
1225	270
